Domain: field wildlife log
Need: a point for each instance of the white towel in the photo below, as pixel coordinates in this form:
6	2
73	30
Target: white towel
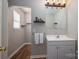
41	38
36	38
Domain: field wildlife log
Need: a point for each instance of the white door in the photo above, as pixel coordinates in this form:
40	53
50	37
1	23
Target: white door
3	29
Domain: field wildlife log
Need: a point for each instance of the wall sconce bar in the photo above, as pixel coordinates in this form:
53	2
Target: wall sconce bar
55	5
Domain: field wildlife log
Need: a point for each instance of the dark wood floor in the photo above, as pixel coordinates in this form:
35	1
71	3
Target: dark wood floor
23	53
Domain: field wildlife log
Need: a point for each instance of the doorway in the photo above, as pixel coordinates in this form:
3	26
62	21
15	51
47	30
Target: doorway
19	22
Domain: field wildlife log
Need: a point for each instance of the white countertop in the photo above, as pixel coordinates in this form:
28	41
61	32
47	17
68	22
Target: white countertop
60	38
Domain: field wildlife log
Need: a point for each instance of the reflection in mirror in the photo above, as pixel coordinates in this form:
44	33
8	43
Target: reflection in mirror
16	22
56	21
59	28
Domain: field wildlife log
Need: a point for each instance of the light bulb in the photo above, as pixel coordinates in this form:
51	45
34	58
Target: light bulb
46	1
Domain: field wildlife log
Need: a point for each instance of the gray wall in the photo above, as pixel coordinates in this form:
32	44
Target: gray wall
38	9
16	36
73	19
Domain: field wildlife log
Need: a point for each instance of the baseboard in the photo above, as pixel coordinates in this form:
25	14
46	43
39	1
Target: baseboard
18	50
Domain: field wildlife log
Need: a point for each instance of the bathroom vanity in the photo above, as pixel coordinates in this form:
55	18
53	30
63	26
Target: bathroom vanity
60	47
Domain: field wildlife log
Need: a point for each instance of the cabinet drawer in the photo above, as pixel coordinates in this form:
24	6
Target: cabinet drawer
71	43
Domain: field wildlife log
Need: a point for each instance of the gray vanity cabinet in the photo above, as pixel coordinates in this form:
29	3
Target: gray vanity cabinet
52	52
61	50
66	52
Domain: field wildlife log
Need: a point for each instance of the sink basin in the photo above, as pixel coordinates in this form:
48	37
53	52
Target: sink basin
58	38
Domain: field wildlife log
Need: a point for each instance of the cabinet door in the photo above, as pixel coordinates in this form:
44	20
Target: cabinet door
52	52
66	52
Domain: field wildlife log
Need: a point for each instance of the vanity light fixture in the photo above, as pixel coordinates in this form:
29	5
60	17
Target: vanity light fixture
55	3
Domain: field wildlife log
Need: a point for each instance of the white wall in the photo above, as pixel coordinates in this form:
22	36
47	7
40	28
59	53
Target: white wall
28	32
73	19
16	36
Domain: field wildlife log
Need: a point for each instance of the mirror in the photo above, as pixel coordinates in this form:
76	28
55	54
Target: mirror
56	21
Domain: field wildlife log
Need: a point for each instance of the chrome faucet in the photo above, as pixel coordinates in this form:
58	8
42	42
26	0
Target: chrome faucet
58	36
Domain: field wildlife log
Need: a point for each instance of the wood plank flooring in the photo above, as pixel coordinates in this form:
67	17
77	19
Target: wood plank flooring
23	53
39	58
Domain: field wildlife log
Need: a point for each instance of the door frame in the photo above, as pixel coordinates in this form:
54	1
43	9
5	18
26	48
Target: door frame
4	28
